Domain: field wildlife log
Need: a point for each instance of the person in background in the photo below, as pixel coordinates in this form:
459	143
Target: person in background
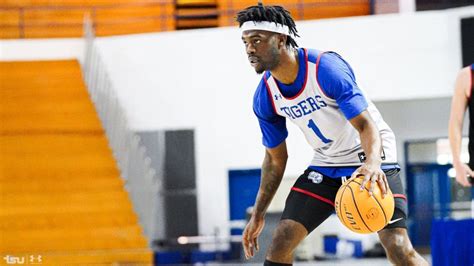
461	100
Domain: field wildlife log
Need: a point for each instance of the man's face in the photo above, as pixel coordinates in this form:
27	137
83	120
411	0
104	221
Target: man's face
262	49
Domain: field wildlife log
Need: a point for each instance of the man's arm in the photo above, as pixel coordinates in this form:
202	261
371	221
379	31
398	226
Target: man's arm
372	146
456	118
273	168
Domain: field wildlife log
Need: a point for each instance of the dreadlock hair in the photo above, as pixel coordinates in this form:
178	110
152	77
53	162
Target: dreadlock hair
276	14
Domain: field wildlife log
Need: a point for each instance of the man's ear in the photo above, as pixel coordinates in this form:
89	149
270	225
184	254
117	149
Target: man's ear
282	40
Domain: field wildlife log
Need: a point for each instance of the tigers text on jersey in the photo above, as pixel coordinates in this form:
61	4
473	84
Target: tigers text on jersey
321	112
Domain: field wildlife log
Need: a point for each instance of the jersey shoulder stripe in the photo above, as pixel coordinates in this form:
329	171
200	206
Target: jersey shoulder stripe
266	76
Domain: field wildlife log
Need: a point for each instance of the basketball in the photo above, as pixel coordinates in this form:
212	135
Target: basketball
359	211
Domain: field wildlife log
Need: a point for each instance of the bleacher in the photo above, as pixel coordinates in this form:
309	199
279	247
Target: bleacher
300	10
61	194
63	18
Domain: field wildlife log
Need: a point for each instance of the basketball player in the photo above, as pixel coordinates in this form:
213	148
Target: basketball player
317	91
461	100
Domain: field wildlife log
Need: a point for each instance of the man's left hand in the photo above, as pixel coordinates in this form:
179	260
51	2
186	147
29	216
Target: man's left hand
373	173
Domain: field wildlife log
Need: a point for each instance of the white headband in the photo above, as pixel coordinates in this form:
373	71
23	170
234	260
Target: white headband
265	25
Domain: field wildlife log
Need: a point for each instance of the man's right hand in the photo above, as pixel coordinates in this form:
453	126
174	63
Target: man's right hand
250	235
463	171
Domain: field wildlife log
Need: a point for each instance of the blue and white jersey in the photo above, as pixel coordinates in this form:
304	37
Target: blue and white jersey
321	101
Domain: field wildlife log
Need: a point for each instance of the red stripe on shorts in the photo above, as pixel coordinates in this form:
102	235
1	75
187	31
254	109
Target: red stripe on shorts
313	195
400	196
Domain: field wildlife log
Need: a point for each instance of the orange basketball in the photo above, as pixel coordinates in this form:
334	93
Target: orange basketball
360	212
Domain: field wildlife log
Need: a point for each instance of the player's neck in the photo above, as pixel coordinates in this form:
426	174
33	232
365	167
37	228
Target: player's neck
287	70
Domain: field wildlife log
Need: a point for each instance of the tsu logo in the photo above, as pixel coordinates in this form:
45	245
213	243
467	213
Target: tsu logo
315	177
32	259
278	96
14	260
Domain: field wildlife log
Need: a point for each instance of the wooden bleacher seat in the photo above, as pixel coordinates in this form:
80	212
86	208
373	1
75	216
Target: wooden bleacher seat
38	200
44	221
318	9
193	14
56	15
60	208
73	3
229	9
25	174
10	32
10	20
53	185
195	2
300	10
87	146
49	23
134	19
107	238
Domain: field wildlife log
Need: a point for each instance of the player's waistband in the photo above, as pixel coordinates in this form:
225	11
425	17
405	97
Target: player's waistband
340	171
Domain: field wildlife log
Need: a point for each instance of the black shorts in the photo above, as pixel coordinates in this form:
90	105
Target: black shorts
311	200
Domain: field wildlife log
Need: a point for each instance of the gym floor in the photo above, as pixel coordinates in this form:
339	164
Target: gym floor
342	262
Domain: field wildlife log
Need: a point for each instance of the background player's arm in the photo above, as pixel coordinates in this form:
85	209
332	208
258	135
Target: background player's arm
458	108
273	167
372	146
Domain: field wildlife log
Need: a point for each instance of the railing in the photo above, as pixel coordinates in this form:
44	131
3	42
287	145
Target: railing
142	181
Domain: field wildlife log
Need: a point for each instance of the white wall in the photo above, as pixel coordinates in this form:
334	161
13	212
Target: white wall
407	6
202	80
420	119
414	55
41	49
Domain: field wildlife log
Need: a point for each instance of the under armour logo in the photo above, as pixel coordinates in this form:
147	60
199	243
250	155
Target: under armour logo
363	157
277	96
315	177
36	259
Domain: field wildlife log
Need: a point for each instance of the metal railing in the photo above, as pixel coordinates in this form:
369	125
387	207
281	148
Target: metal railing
142	181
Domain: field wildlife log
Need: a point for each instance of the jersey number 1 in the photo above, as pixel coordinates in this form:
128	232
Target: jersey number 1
316	131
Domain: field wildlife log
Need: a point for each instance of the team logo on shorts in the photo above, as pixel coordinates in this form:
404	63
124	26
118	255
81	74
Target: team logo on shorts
315	177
